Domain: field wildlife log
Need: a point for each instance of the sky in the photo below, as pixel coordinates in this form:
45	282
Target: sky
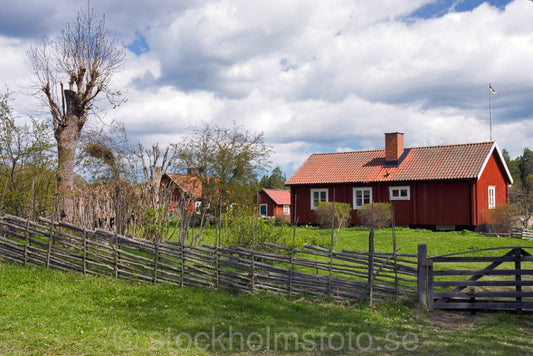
312	75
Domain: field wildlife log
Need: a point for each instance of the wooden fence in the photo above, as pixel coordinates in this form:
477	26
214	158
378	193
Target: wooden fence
463	281
312	271
520	233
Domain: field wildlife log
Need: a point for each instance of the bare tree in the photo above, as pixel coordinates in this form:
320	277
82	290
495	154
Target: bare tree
106	153
155	161
83	59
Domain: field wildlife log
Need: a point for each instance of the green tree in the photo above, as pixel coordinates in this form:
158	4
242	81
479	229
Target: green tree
521	192
243	228
227	161
275	181
70	74
26	165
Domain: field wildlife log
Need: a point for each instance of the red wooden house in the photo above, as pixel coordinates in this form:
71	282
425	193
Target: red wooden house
453	186
186	189
275	203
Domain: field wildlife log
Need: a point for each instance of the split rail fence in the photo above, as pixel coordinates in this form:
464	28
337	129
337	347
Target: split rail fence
520	233
312	271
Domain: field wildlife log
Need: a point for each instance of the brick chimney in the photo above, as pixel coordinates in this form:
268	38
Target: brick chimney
393	146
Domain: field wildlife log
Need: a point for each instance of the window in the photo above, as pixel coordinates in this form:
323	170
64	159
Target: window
286	210
492	197
318	195
361	196
400	193
262	209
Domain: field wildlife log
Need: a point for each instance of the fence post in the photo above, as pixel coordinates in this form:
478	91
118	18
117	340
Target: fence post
252	270
182	264
117	256
371	248
50	242
27	242
217	262
429	285
84	251
422	278
291	272
518	276
156	260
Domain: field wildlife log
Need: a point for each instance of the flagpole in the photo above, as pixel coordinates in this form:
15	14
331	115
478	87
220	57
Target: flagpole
490	111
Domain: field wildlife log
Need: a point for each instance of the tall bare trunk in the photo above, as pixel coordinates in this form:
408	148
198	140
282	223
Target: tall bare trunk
67	134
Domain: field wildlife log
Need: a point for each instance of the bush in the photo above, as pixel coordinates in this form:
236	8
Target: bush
342	214
379	212
241	227
505	217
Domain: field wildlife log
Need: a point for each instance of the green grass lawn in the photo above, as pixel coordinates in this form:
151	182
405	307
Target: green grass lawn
47	312
51	312
407	240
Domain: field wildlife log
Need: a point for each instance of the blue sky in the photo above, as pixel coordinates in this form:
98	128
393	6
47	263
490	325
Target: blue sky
439	8
312	75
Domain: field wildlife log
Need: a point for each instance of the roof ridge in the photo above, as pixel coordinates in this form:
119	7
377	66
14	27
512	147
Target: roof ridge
344	152
453	145
406	148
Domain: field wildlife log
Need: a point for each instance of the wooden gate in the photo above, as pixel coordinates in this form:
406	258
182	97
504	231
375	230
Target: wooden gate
477	280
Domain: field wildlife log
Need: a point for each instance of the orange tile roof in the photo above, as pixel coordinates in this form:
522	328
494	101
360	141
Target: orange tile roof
464	161
189	184
280	197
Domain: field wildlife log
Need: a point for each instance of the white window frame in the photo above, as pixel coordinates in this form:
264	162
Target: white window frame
286	209
197	206
321	190
492	196
355	190
266	209
405	188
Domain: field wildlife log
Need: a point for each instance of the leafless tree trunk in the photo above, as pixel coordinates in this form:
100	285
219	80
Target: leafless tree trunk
85	57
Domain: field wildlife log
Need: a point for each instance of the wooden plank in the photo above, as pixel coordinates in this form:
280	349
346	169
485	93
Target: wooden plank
481	283
494	305
496	272
483	294
454	259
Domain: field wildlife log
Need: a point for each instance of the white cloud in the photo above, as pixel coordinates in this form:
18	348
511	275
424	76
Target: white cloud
314	75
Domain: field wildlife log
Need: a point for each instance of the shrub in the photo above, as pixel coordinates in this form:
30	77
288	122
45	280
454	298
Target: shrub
283	218
342	214
241	227
380	213
505	217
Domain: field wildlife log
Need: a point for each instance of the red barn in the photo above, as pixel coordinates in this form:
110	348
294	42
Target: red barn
453	186
275	203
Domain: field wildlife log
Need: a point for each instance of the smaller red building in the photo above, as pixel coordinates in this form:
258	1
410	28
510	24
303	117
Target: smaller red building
275	203
453	186
186	189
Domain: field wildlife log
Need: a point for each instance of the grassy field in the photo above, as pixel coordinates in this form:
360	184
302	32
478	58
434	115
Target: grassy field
407	240
51	312
46	312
